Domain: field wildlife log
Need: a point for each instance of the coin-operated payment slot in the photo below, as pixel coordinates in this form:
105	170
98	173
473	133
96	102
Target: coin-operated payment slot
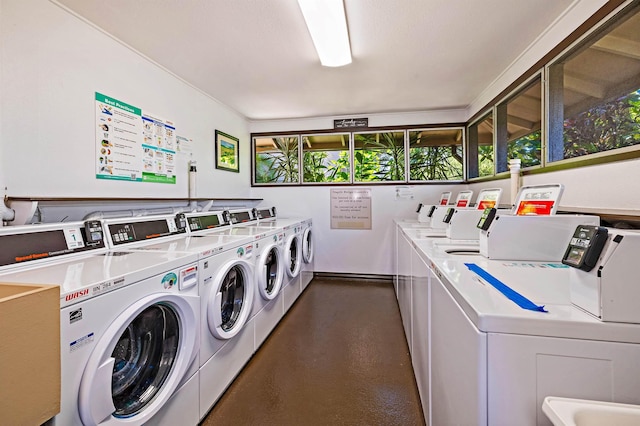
603	267
585	247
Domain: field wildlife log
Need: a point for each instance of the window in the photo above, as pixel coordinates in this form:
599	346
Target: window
276	159
435	154
518	127
594	92
379	157
480	157
325	158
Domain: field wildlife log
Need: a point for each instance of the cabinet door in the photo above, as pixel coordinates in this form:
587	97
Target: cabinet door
420	328
404	285
458	363
523	370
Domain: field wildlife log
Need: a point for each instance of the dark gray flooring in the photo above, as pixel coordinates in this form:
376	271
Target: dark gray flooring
338	357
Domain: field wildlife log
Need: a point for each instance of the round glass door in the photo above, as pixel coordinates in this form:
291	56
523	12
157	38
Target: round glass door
229	303
294	254
270	273
307	247
143	357
271	270
232	289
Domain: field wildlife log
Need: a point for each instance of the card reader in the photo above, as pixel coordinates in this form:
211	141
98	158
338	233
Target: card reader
585	247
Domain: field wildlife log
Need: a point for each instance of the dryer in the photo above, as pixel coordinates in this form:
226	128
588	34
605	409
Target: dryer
129	325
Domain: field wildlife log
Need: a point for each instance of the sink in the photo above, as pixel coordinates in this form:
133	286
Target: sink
582	412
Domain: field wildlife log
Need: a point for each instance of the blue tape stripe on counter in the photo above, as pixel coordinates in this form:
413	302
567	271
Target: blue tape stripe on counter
513	295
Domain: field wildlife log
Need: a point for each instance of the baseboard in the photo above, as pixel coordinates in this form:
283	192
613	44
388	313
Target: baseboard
353	277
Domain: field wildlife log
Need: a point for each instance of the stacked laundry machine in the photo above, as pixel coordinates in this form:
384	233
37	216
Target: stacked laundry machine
158	313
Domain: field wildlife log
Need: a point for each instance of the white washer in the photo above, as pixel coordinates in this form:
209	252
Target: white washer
306	274
268	263
293	263
226	289
129	332
292	248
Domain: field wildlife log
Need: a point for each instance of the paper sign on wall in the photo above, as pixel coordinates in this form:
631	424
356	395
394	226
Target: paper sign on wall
351	208
131	145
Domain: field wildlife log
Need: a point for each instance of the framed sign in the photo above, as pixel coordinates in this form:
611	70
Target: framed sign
350	208
351	123
227	157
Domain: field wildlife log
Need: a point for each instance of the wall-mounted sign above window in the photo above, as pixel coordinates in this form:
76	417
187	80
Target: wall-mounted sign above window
351	123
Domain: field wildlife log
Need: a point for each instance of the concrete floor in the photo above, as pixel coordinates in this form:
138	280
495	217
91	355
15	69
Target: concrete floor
338	357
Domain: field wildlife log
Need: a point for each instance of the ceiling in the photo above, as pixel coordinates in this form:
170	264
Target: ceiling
257	57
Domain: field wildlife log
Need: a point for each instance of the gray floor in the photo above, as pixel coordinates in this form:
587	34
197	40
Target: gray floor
338	357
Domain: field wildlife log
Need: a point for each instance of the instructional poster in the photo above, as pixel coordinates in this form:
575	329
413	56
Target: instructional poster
351	208
131	145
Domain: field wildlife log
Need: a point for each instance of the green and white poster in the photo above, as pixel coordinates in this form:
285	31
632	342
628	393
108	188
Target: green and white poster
131	145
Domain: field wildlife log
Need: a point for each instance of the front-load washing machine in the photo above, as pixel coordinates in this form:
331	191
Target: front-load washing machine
128	325
268	307
226	289
306	274
268	262
292	248
227	337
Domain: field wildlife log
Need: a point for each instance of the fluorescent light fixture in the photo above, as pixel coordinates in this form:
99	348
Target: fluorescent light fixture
328	28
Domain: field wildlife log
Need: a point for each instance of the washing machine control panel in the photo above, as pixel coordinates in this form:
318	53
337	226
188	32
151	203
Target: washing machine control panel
124	231
24	244
585	247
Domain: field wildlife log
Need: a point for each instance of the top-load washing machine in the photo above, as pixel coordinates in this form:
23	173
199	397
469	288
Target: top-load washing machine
128	323
226	289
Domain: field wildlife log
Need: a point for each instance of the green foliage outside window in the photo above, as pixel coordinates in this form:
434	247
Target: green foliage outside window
485	160
277	162
527	148
435	155
318	167
611	125
379	157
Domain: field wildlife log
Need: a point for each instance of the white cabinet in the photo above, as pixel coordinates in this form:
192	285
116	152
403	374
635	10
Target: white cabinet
420	281
404	284
523	370
458	363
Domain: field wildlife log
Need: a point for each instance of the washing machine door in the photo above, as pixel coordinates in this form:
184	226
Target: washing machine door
270	272
293	255
230	300
139	361
307	246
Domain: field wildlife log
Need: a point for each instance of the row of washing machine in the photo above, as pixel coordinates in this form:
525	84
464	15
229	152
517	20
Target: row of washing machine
160	313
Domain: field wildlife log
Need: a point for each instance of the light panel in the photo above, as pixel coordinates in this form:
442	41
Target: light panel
327	25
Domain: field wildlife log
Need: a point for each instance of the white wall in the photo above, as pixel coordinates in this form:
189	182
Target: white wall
52	64
347	250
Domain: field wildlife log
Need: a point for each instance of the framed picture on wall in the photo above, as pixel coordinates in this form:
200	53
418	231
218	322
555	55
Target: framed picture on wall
227	157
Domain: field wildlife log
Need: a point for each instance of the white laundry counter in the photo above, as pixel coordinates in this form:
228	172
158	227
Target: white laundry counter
480	359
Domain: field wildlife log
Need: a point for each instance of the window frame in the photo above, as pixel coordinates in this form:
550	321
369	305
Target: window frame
254	162
463	133
553	143
349	150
